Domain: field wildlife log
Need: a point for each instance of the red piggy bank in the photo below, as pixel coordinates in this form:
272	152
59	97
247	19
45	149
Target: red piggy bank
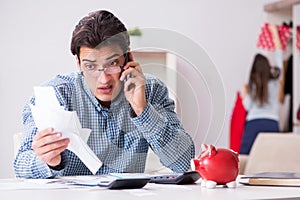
217	166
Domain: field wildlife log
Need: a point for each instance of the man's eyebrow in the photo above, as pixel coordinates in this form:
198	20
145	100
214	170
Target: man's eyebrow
108	58
114	55
88	60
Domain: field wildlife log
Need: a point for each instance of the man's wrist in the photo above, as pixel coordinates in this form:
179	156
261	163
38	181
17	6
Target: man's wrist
57	167
62	164
138	110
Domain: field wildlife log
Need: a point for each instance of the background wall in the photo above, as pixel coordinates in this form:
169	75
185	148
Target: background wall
35	38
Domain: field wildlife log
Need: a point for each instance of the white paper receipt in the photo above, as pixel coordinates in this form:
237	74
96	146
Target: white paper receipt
47	112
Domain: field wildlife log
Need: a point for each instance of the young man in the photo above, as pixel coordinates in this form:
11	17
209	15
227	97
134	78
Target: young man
126	110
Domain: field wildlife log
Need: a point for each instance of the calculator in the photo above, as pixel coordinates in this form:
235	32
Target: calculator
124	181
189	177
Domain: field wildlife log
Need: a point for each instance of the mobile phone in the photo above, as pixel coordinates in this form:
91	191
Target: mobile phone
126	56
127	59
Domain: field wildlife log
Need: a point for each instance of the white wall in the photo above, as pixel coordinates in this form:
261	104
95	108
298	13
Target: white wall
35	38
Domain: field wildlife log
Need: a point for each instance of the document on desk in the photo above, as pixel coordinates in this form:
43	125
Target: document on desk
36	184
47	112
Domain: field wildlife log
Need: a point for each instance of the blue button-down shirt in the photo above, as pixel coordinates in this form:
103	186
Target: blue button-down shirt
119	139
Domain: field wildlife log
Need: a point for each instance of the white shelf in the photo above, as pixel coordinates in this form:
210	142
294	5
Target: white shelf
280	5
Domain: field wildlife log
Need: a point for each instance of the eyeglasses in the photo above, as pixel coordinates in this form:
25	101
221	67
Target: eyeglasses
111	68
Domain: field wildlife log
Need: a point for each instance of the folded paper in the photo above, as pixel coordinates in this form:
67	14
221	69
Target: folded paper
47	112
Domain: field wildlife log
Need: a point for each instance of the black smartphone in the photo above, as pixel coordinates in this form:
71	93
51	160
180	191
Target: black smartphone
126	56
127	59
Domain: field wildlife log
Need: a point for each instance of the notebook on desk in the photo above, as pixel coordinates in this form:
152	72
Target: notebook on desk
272	179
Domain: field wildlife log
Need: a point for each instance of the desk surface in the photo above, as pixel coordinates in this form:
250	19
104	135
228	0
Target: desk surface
153	191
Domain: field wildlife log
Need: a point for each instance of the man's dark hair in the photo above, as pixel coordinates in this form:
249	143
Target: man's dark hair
97	29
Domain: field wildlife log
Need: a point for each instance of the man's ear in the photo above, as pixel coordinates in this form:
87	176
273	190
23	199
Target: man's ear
78	63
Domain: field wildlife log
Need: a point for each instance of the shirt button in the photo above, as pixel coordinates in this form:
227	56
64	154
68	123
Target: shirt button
145	124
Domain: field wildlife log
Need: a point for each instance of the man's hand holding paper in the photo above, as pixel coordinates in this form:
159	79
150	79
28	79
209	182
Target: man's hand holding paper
48	146
59	130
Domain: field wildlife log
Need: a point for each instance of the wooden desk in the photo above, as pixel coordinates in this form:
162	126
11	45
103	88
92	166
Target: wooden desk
154	191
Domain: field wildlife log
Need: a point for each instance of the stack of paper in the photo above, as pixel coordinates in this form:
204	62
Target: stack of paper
47	112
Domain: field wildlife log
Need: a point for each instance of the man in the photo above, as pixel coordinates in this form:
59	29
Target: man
126	110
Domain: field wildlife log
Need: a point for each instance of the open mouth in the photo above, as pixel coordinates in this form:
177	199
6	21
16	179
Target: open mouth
105	89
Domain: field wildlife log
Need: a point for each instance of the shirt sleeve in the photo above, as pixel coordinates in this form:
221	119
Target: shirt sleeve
278	58
247	102
163	130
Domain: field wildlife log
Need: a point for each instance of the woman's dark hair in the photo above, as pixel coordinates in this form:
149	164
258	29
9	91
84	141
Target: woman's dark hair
97	29
260	75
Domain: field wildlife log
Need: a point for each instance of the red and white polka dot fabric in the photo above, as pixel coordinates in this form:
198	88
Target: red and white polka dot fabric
284	35
265	39
298	38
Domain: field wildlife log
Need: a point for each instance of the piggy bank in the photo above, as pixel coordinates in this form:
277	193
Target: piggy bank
217	166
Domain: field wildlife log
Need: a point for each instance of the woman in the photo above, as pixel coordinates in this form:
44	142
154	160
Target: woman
260	99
